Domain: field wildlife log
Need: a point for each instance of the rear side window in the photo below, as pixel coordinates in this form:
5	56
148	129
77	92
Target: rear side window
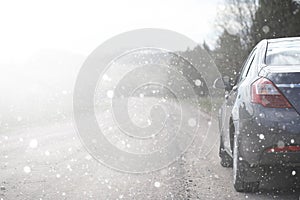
247	65
283	53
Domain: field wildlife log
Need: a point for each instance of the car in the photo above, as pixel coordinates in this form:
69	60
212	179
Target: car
260	118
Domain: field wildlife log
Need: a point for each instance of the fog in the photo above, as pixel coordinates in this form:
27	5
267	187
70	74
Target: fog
40	90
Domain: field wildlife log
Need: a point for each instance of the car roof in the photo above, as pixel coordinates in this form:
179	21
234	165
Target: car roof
287	39
280	43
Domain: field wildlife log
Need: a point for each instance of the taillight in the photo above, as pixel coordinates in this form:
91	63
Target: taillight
264	92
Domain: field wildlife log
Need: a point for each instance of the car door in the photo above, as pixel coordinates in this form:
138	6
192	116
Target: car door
230	98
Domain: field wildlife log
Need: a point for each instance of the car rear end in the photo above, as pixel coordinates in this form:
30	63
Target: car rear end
272	135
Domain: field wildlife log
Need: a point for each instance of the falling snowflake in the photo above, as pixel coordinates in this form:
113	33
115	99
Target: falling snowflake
106	77
88	157
157	184
33	143
197	82
27	169
110	94
266	29
192	122
261	136
280	144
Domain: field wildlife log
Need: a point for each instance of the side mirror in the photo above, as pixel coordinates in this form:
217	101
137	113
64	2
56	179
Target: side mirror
223	83
219	84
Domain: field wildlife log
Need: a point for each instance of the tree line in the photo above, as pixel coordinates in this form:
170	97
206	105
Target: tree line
242	24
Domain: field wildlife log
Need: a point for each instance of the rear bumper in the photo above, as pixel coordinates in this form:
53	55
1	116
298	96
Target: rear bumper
267	130
283	159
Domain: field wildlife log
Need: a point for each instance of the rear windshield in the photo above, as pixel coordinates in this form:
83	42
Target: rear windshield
283	53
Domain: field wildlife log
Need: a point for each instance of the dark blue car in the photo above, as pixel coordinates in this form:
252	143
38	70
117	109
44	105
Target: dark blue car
260	118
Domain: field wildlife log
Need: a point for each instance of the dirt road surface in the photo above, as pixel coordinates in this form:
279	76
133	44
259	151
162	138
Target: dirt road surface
49	162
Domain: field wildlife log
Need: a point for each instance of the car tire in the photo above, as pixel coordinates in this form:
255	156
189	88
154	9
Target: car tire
240	169
226	159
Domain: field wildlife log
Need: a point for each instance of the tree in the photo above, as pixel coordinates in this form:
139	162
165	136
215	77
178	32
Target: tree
275	19
237	17
242	24
246	22
229	54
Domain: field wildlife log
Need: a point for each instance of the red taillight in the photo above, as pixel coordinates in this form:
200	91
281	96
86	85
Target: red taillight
264	92
284	149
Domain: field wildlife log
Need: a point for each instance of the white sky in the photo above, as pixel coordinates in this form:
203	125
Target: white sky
80	26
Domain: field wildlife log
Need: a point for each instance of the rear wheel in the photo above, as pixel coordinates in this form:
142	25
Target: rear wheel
240	169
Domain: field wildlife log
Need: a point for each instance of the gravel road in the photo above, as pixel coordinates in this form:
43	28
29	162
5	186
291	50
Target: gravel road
49	162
